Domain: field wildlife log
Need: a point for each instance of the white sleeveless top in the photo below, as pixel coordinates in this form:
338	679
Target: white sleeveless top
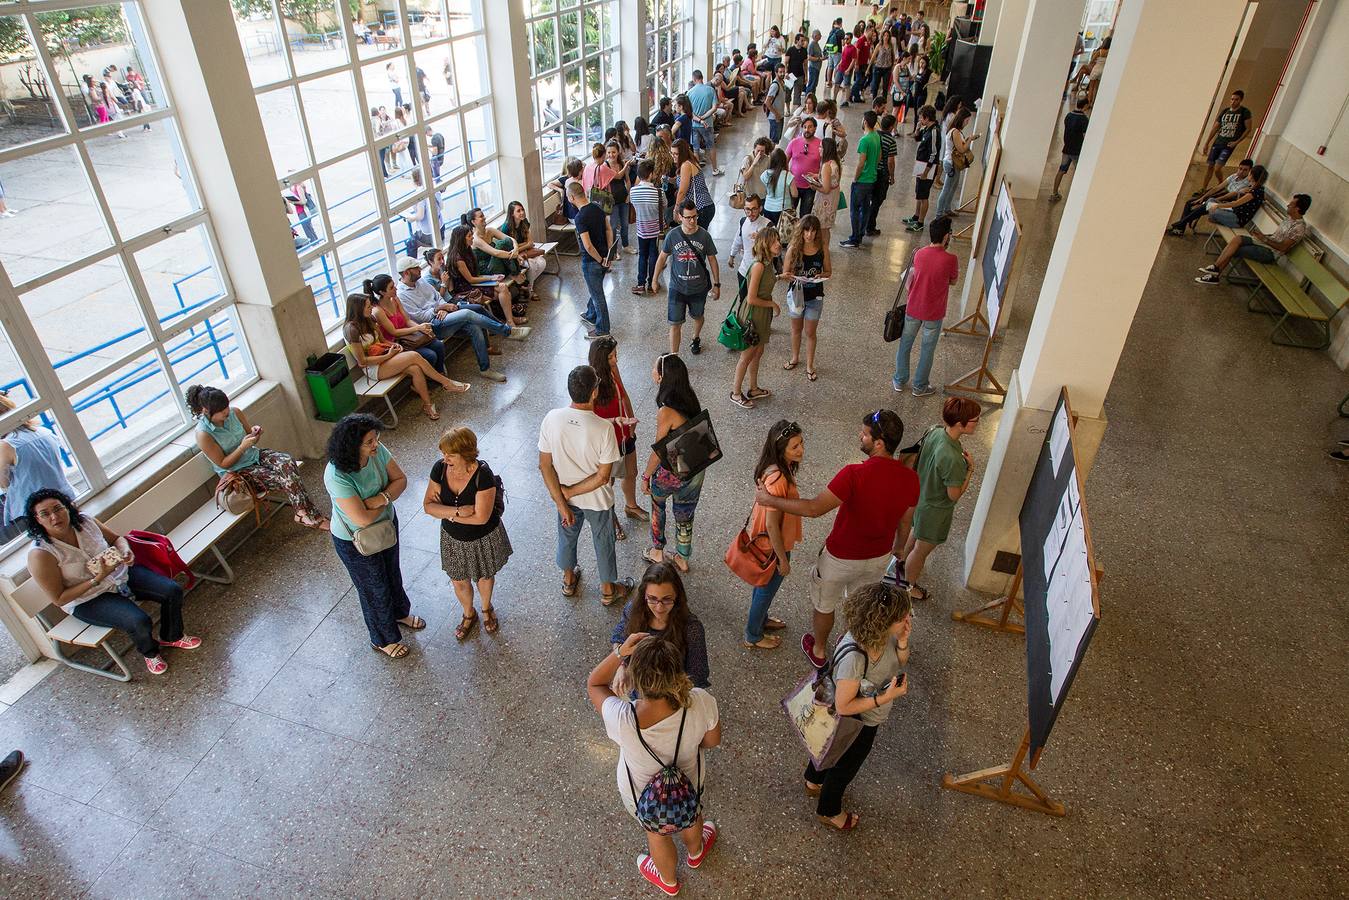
73	562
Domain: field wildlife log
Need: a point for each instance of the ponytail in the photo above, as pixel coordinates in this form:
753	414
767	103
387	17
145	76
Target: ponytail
204	401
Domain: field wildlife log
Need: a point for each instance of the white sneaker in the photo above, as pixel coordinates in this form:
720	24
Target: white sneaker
493	375
631	251
519	333
8	214
718	171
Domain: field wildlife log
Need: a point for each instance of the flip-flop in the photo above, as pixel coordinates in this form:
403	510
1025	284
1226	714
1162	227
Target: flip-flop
659	556
812	375
769	642
636	512
758	394
393	651
813	790
772	624
791	365
570	590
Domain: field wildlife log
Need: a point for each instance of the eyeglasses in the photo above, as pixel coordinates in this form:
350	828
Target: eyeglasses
660	601
789	430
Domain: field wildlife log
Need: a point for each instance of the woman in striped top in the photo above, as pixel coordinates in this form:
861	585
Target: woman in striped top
645	198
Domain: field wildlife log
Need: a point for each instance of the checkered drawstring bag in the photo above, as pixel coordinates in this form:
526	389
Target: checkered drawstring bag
669	803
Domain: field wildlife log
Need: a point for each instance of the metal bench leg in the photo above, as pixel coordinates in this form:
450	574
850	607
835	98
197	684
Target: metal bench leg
1256	302
393	413
1292	340
104	672
227	577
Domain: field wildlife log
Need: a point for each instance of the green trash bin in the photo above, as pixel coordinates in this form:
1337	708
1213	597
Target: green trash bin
330	384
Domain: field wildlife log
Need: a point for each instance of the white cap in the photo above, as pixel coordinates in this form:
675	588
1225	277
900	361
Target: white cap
408	262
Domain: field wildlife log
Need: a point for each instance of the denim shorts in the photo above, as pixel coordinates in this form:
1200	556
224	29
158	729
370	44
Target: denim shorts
811	310
680	303
1068	159
702	137
1224	217
1219	153
1249	249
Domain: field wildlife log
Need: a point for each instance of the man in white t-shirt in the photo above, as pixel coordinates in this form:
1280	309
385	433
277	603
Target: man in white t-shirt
577	452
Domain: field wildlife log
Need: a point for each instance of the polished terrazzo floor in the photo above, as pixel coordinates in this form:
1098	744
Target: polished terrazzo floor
1201	752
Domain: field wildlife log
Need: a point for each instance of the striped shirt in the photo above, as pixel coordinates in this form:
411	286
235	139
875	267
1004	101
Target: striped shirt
645	199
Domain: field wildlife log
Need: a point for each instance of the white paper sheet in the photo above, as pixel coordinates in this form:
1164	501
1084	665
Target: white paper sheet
1069	605
1058	439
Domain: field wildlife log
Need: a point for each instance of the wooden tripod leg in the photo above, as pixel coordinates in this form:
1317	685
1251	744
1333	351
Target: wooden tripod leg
978	784
1006	603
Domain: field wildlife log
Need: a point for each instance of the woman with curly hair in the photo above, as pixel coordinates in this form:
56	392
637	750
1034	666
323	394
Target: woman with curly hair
89	571
670	721
661	606
868	677
364	480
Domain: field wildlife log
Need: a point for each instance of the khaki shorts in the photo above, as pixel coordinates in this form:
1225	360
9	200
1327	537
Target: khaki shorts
832	578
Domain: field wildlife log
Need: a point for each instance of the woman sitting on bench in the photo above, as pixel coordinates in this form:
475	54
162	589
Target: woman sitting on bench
231	444
88	570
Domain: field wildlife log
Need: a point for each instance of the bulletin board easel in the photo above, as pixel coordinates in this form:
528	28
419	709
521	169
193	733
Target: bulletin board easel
989	179
998	275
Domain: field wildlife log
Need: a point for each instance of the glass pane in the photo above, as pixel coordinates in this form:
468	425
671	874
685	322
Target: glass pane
552	152
386	85
70	467
478	130
434	73
470	66
285	136
260	38
445	147
330	109
594	85
13	379
361	258
590	37
428	20
146	181
405	175
571	77
607	16
376	32
465	16
33	113
577	145
106	46
316	39
306	225
180	274
210	351
548	105
98	293
455	201
484	192
569	27
349	196
129	411
320	274
544	41
542	6
58	219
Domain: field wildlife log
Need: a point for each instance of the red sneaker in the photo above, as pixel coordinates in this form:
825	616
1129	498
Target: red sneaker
647	866
808	648
156	665
709	839
186	642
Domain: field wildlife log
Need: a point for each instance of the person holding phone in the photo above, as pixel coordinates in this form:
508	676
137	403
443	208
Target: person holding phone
227	439
868	678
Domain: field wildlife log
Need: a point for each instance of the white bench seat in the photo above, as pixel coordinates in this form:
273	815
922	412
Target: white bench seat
374	390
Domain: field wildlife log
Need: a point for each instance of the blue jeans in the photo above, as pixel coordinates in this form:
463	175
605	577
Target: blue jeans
1224	217
379	587
597	308
601	522
859	81
648	251
775	130
859	209
812	77
759	601
434	353
472	319
618	218
117	610
927	349
948	189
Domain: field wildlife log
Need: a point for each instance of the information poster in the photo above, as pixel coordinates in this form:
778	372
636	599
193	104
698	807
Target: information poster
998	252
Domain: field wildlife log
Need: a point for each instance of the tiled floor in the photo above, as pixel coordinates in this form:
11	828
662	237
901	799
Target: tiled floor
1197	755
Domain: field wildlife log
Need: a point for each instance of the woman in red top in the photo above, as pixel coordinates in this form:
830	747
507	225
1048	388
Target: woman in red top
612	403
394	324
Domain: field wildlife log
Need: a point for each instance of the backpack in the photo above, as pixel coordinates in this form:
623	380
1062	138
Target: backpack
669	803
157	553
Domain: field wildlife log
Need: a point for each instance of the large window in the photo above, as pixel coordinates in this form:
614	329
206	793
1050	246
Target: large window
574	76
725	28
378	116
669	48
112	295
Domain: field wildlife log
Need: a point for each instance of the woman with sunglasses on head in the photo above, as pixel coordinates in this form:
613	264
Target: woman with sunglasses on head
89	571
382	359
782	453
807	257
531	257
661	607
612	403
676	403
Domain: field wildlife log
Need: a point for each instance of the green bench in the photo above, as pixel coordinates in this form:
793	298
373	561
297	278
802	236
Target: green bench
1288	287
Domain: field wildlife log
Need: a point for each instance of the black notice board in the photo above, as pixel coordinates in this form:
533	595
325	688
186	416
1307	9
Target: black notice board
1057	637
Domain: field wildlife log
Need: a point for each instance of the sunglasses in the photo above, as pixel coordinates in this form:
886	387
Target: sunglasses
791	429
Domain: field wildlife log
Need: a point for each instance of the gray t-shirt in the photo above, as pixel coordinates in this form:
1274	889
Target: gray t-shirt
688	255
878	674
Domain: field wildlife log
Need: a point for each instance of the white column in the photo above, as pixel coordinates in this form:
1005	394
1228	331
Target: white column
513	110
1112	222
702	37
224	135
1036	92
632	57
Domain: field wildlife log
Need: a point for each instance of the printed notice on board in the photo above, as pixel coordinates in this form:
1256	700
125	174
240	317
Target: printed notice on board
1069	605
1058	440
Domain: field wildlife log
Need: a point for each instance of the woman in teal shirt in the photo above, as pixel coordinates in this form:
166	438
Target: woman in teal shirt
231	444
364	480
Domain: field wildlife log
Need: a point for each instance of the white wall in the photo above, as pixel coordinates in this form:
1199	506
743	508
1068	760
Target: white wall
1322	95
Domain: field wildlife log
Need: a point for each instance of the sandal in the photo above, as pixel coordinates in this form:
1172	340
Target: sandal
925	595
850	821
813	790
654	555
788	366
489	620
680	562
457	387
758	393
393	651
812	375
742	401
768	642
431	412
772	624
619	533
319	524
466	626
416	623
570	588
636	512
625	586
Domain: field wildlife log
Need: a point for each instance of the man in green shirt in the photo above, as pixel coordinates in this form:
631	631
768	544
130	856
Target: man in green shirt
864	179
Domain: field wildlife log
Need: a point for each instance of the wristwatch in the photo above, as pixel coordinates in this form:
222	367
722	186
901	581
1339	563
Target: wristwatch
716	284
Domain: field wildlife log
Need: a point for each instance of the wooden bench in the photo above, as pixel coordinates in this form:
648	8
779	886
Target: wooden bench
373	390
1267	218
194	537
1290	287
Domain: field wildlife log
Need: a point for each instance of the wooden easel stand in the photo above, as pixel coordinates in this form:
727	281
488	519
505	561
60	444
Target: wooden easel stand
1001	609
1006	777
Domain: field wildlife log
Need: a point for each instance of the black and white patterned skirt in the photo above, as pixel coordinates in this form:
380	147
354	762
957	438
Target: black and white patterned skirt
474	560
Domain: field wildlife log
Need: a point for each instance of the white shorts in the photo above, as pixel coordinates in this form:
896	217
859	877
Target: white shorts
832	578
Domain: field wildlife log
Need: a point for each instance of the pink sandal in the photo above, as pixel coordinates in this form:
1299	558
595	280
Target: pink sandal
187	642
156	665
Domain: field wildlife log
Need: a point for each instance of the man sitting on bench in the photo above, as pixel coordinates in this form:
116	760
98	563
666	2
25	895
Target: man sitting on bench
1236	184
1262	248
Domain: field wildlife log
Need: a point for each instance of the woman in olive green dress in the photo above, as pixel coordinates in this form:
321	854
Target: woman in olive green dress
761	307
944	473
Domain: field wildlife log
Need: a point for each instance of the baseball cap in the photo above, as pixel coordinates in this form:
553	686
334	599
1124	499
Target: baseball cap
407	262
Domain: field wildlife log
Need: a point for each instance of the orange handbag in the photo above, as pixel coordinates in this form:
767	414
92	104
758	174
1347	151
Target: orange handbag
751	558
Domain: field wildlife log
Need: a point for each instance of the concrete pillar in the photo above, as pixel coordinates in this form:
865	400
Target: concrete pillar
703	38
223	130
1112	222
1035	95
513	111
632	58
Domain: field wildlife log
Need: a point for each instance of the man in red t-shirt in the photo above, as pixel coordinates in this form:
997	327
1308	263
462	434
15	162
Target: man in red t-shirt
875	501
931	275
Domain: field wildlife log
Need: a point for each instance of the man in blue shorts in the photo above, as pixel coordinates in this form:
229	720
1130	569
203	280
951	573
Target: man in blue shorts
703	99
693	272
1228	129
